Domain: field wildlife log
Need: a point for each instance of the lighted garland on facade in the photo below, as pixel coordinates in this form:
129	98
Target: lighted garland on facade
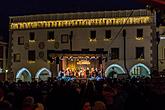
80	22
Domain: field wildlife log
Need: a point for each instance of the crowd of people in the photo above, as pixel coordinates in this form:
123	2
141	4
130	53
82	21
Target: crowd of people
81	94
82	73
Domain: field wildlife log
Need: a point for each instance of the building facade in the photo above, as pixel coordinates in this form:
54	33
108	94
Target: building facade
161	49
3	60
122	41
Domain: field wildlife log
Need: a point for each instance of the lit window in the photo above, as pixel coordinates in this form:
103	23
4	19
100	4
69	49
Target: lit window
32	37
136	71
17	57
50	36
139	34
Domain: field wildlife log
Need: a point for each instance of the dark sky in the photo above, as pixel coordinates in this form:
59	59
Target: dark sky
24	7
15	7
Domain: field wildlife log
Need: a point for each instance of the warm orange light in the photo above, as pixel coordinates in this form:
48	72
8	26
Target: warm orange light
83	62
80	22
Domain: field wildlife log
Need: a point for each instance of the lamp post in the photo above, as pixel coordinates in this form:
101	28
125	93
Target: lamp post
6	72
125	63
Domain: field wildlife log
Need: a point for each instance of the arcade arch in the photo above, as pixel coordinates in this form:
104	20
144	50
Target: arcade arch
43	74
140	70
114	68
24	75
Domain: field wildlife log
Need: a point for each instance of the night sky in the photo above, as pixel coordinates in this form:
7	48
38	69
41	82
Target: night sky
25	7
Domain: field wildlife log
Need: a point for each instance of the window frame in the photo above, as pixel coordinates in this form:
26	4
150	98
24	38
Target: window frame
20	40
17	57
32	34
138	54
141	33
108	33
50	35
115	56
64	38
33	54
93	34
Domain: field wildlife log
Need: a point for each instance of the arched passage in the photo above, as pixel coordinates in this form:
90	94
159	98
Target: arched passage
43	74
24	75
114	68
140	70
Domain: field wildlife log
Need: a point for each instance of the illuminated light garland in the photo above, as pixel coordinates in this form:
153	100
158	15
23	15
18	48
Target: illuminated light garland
19	73
80	22
106	39
32	41
140	65
31	61
92	40
83	62
114	66
51	40
162	38
41	70
139	38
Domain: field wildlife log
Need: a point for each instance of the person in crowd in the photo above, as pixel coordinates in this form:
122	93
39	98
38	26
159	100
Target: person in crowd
99	105
81	94
108	95
38	106
5	105
28	103
87	106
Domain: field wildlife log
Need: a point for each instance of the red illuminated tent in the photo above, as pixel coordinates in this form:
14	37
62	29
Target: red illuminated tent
157	3
160	2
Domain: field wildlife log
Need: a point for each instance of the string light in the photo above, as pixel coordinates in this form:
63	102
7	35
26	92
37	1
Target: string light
80	22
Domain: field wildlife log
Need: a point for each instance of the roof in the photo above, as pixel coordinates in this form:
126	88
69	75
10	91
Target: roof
76	15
